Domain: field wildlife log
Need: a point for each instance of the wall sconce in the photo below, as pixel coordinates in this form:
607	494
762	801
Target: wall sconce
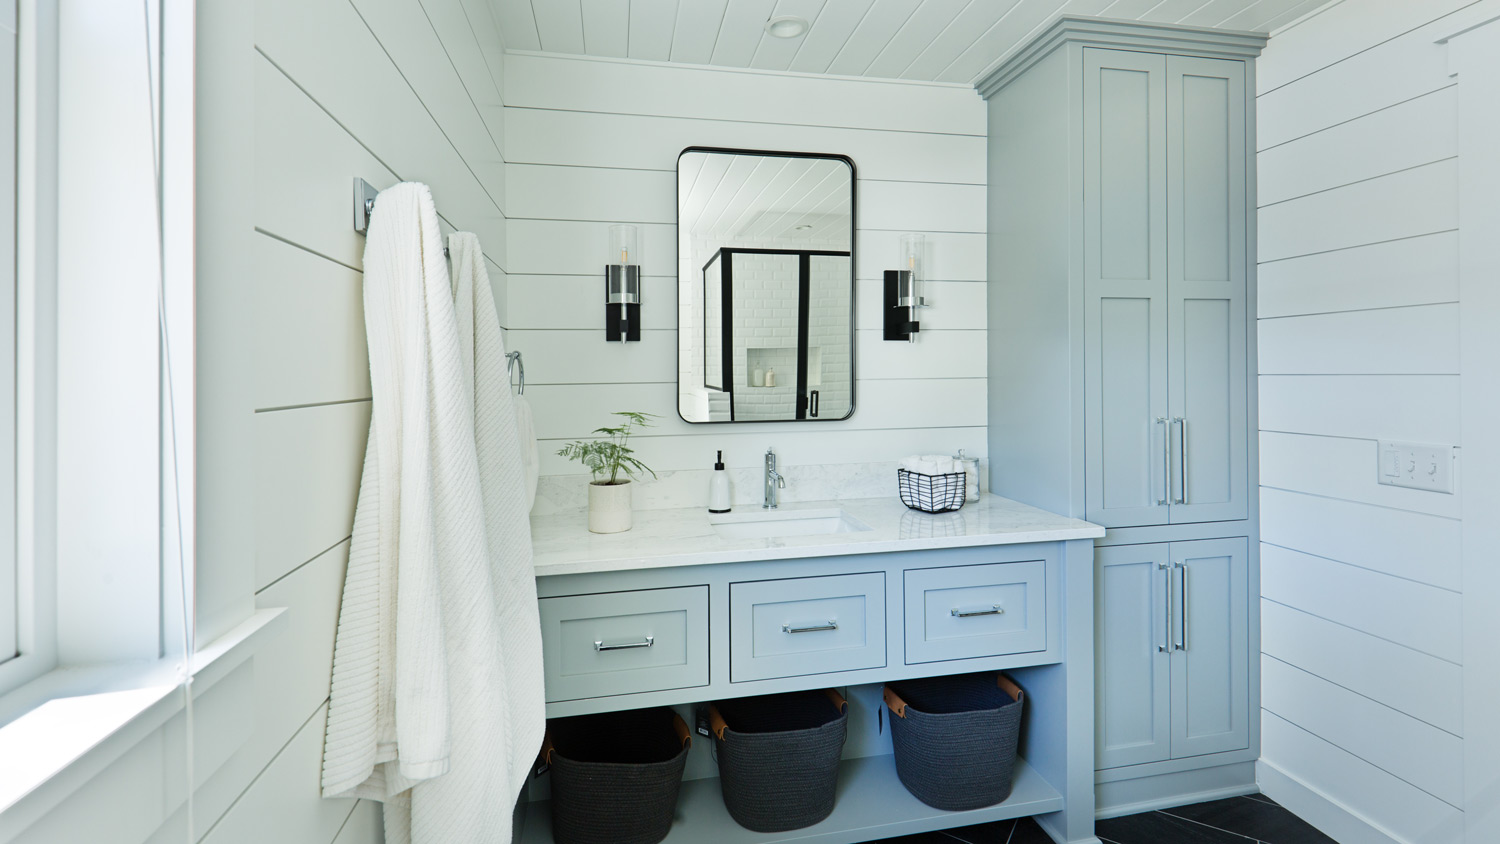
622	286
903	292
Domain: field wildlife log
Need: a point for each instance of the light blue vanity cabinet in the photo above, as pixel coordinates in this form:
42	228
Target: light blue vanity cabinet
631	622
1122	380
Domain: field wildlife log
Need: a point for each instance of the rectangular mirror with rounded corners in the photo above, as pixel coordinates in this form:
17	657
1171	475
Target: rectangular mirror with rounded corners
765	286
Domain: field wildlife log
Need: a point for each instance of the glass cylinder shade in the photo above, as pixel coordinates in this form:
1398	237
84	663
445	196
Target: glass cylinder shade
908	293
623	246
912	247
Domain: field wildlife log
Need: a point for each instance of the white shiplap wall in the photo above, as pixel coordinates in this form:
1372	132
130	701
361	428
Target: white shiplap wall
326	90
1358	293
386	90
595	142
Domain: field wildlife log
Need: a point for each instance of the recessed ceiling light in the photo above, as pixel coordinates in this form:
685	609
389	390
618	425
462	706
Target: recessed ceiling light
786	26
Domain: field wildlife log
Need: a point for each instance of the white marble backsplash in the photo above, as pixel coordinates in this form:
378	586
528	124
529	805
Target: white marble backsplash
689	487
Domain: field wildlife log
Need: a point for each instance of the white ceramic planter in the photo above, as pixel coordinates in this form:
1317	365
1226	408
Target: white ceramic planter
609	507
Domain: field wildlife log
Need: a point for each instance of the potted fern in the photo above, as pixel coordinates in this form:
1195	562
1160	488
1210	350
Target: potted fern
609	459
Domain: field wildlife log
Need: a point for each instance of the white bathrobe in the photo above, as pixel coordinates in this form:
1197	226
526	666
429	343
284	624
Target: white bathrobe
419	715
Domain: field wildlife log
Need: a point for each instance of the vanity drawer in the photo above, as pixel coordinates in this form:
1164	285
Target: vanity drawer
624	642
806	625
974	611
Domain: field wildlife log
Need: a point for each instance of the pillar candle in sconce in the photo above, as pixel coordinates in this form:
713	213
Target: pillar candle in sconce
622	285
903	291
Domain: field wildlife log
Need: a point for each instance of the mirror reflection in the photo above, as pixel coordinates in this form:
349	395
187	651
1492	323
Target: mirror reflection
765	286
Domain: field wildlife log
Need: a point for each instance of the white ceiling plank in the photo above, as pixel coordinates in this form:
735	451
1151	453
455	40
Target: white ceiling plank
516	23
1172	11
961	34
832	30
927	23
740	32
559	23
955	41
777	53
882	22
1295	13
1216	12
1257	14
652	23
606	27
697	30
1129	9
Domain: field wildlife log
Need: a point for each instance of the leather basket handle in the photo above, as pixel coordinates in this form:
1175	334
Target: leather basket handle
837	699
716	724
894	702
683	733
1009	686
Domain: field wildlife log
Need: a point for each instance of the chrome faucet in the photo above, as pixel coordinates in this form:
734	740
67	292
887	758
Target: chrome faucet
774	481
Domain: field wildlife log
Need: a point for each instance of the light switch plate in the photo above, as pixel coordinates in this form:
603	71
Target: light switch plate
1416	466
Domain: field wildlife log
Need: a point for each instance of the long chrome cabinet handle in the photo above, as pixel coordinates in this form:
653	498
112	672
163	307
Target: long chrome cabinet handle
831	625
1166	628
1181	643
1166	460
1181	460
958	613
624	646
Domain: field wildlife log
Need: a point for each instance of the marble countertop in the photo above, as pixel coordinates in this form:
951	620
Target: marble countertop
562	544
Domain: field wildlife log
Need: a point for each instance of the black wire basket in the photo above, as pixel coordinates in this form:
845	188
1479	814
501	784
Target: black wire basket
932	493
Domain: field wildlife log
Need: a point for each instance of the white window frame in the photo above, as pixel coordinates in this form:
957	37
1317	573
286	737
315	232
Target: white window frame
35	306
99	467
9	606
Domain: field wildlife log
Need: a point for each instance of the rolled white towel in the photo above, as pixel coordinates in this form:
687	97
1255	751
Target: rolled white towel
930	464
942	463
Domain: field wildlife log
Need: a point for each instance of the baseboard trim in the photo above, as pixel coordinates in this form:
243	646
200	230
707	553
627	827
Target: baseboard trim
1179	788
1331	817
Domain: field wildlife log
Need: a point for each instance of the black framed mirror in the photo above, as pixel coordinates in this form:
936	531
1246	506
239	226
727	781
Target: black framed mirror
765	248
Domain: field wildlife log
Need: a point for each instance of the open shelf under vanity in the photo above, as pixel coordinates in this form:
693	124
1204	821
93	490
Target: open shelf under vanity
872	803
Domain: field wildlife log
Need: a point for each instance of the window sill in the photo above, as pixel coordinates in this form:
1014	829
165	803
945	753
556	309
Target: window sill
68	725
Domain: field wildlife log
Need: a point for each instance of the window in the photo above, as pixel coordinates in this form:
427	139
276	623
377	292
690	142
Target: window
9	45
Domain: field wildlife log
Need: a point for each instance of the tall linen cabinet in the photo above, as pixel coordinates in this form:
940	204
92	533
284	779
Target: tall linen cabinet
1122	374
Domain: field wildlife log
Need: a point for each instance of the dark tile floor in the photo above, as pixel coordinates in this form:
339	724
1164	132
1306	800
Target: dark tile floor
1256	819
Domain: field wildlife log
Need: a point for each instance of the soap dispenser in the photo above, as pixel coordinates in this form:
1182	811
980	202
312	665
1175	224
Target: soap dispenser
718	488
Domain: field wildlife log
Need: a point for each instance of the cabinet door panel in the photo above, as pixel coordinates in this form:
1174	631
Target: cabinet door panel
1211	643
1125	276
1207	270
1132	669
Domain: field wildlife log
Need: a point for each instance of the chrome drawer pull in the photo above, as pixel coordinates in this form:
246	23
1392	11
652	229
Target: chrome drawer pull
831	625
601	647
958	613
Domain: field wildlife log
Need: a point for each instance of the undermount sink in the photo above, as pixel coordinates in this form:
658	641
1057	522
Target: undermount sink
772	523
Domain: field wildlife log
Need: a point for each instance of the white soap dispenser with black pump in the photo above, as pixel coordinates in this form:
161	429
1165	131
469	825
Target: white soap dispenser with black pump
718	488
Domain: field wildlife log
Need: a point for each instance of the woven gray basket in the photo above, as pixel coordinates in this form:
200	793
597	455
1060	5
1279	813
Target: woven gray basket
955	738
615	776
779	757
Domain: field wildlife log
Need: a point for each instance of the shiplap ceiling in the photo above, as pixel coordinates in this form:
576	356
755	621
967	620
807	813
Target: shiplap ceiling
928	40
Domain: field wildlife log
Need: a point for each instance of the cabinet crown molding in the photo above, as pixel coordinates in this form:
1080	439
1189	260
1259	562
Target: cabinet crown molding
1127	35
